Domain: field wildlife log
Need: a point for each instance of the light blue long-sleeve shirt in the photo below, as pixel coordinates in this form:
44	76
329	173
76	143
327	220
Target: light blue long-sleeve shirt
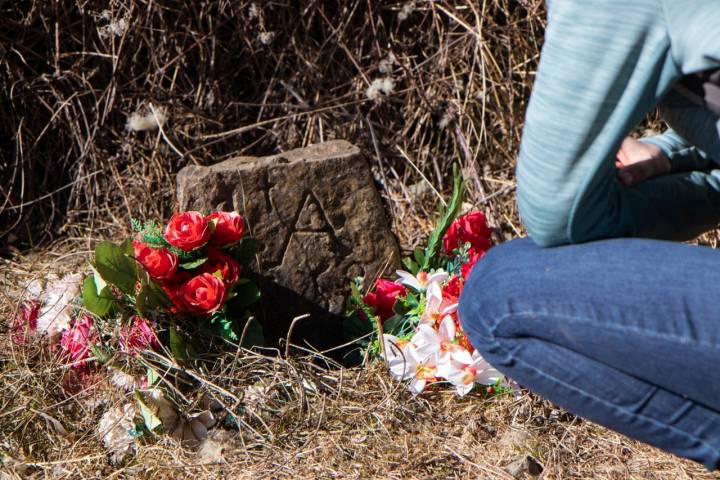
603	66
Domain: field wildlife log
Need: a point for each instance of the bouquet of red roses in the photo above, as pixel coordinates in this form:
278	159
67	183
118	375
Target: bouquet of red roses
187	275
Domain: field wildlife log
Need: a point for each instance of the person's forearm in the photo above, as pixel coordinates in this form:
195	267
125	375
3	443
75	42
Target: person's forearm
683	156
601	69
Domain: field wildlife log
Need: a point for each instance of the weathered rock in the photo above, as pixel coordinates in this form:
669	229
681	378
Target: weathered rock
321	223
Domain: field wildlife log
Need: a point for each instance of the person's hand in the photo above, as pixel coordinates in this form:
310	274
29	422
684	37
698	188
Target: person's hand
637	162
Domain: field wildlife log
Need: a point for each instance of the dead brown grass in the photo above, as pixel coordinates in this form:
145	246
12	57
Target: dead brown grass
312	422
236	82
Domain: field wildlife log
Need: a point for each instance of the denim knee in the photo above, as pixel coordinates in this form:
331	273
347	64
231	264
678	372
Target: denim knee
489	294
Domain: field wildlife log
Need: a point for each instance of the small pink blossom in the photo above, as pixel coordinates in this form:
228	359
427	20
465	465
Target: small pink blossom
77	340
139	335
25	321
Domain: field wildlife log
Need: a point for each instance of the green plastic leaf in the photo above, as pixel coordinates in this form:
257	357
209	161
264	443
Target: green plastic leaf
149	418
224	326
178	347
254	336
447	216
150	297
115	266
411	266
245	293
152	376
97	304
193	264
244	253
419	256
100	284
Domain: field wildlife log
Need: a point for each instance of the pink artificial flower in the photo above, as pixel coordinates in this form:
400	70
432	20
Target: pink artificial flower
25	321
139	335
77	340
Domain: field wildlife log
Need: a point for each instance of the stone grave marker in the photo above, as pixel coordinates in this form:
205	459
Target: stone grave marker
321	223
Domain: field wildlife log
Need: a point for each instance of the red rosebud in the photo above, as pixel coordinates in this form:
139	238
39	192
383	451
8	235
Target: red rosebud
383	297
229	228
219	261
203	294
139	335
473	257
470	228
187	231
25	321
160	263
77	340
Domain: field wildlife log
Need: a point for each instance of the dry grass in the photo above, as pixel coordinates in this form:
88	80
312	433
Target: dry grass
312	422
461	73
233	78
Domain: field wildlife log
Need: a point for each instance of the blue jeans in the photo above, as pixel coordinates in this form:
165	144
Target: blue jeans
624	332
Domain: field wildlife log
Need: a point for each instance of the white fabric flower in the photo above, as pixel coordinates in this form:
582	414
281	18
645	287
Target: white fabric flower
426	372
441	343
422	281
400	356
436	307
57	304
464	376
115	429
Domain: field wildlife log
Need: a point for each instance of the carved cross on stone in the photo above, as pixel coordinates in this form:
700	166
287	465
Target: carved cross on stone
321	223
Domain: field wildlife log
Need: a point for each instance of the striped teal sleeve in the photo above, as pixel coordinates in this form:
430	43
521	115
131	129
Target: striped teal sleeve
603	66
683	156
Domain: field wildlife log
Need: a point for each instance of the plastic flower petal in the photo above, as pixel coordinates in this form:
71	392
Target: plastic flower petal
427	342
56	312
465	376
400	357
409	280
422	281
425	373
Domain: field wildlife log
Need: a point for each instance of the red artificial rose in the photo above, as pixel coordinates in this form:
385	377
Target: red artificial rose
77	340
160	263
470	228
219	261
187	231
25	321
229	228
139	335
473	257
383	297
203	294
171	287
453	288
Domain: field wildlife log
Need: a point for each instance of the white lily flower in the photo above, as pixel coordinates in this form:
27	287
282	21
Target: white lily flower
464	376
401	357
436	307
441	344
425	373
422	281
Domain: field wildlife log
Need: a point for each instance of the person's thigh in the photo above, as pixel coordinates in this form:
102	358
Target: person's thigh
621	332
646	308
